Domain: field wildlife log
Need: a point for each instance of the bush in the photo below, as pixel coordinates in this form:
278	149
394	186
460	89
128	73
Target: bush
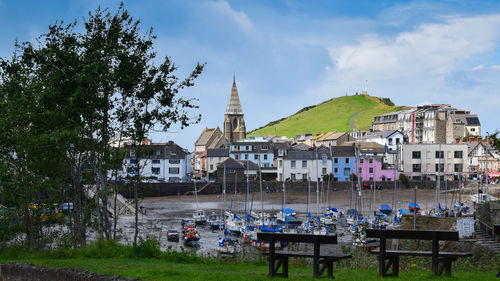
149	248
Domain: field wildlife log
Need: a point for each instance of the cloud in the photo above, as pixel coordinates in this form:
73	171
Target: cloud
241	19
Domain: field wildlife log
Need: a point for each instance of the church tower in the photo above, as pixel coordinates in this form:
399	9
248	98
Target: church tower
234	124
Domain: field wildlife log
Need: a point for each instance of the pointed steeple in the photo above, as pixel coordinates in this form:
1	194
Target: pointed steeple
234	106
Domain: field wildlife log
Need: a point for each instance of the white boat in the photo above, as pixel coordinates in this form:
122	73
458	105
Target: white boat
228	246
199	217
481	197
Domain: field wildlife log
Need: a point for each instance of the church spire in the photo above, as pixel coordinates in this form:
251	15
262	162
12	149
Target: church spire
234	106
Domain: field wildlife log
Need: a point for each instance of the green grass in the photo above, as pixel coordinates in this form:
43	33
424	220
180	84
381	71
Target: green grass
332	115
154	269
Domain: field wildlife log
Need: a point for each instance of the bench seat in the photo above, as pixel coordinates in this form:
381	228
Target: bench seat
323	255
423	253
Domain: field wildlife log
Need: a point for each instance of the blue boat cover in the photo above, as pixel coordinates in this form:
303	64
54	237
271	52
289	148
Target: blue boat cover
249	218
266	228
441	208
412	205
333	209
310	216
404	211
236	217
287	211
385	207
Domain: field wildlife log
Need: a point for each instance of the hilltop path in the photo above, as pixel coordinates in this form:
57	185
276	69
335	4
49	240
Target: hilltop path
352	120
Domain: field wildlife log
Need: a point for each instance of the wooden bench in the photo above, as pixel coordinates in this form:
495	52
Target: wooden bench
445	258
319	257
496	229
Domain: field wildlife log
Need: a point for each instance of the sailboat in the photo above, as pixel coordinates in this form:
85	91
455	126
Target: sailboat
198	214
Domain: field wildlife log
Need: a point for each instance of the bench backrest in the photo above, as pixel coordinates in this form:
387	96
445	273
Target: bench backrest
299	238
496	229
412	234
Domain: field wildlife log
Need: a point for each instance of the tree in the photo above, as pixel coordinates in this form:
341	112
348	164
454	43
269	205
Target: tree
62	101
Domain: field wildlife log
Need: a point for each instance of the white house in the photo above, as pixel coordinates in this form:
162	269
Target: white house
300	165
391	139
160	161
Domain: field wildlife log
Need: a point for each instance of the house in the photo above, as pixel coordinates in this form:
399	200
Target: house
343	162
232	170
372	168
482	157
391	139
210	138
329	139
214	158
300	165
258	150
428	161
160	161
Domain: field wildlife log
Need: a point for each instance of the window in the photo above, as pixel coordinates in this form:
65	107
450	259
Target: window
336	170
132	152
458	167
439	167
416	178
265	147
417	168
324	159
256	156
292	164
265	156
390	141
324	171
304	176
156	161
236	156
280	163
174	161
155	170
211	166
473	129
230	170
360	170
371	179
172	170
347	172
347	160
246	156
439	154
361	161
304	164
158	152
335	160
459	154
370	170
370	161
132	161
173	179
415	155
397	141
247	147
292	177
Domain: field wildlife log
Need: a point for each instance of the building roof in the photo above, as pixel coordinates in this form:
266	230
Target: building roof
343	151
205	136
301	146
300	155
234	106
238	164
472	121
219	152
381	134
169	150
329	136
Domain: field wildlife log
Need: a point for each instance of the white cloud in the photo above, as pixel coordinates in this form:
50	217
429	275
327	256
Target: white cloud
239	18
431	48
478	67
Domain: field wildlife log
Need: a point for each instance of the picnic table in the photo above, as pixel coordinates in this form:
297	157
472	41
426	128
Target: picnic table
443	258
280	258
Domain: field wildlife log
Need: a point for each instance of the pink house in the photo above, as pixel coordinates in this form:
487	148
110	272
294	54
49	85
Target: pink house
371	169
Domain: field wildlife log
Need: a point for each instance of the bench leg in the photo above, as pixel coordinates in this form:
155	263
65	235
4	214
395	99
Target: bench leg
446	266
387	266
284	267
395	266
271	273
329	270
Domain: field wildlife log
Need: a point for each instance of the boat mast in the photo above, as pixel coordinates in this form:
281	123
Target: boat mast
246	194
261	196
317	184
196	196
224	197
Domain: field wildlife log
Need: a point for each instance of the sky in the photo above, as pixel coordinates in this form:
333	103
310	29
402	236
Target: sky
290	54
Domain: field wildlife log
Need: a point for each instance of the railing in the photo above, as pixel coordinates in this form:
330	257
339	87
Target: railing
485	227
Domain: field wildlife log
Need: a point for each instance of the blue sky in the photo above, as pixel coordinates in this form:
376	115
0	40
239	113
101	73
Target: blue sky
290	54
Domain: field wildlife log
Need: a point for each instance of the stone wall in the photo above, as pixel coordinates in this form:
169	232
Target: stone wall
167	189
27	272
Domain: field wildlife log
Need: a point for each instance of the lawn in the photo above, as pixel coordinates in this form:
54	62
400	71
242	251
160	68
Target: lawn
155	269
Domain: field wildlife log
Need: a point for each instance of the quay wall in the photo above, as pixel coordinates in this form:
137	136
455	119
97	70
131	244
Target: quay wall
168	189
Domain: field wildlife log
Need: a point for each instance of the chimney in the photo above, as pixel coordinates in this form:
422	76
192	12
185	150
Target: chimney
488	139
471	139
479	139
457	140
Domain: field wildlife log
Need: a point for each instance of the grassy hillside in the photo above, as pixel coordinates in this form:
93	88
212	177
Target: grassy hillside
332	115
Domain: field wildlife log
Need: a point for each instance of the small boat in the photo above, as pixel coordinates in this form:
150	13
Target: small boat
214	221
385	209
413	207
191	236
187	222
228	245
199	217
173	235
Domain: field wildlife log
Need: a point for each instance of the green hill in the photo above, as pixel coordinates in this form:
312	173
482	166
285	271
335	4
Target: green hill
331	115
